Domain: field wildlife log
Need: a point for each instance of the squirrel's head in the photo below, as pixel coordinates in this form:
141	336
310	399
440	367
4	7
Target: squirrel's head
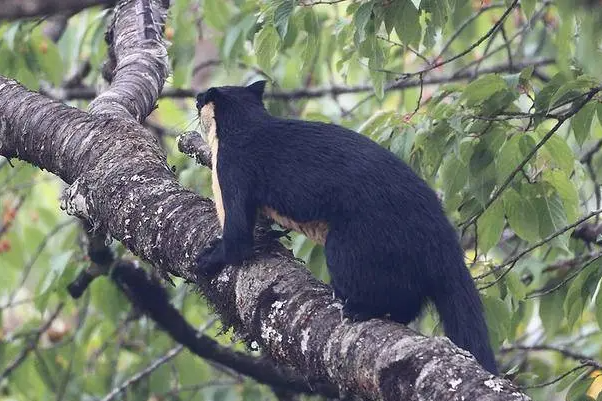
224	98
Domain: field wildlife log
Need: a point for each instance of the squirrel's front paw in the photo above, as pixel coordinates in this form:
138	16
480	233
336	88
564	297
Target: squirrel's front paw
211	259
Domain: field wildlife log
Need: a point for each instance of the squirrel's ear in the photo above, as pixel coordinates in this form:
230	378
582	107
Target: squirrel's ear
211	95
206	97
257	88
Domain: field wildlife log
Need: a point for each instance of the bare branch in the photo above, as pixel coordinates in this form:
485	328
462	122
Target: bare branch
308	93
586	360
12	9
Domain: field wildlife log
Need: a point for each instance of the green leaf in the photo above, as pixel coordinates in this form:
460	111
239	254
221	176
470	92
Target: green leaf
10	36
543	98
27	381
509	157
49	60
525	75
564	34
438	12
578	390
598	307
282	16
550	310
25	75
402	143
360	20
490	226
454	175
521	215
572	89
312	40
481	157
407	23
483	88
515	285
582	122
528	6
430	34
58	265
527	143
108	299
235	37
378	127
580	290
551	213
562	155
512	80
388	16
267	44
566	381
498	319
372	49
216	13
566	190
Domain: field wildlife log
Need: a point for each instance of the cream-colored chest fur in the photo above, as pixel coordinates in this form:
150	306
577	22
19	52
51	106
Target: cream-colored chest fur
314	230
209	128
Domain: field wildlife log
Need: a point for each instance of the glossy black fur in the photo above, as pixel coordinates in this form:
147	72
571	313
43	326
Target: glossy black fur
389	249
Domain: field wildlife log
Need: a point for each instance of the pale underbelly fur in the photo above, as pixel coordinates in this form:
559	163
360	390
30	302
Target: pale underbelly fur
314	230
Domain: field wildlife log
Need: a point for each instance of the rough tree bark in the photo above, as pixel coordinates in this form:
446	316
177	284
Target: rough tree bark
121	183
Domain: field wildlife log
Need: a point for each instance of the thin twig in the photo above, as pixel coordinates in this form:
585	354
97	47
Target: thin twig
541	292
197	387
544	241
31	345
153	366
304	3
557	379
466	23
493	29
507	43
145	372
394	43
554	348
357	105
484	56
27	269
419	101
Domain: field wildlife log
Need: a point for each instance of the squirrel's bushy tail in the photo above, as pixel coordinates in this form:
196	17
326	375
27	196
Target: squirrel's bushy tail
461	312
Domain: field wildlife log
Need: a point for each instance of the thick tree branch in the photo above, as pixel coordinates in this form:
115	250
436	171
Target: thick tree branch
137	59
122	185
